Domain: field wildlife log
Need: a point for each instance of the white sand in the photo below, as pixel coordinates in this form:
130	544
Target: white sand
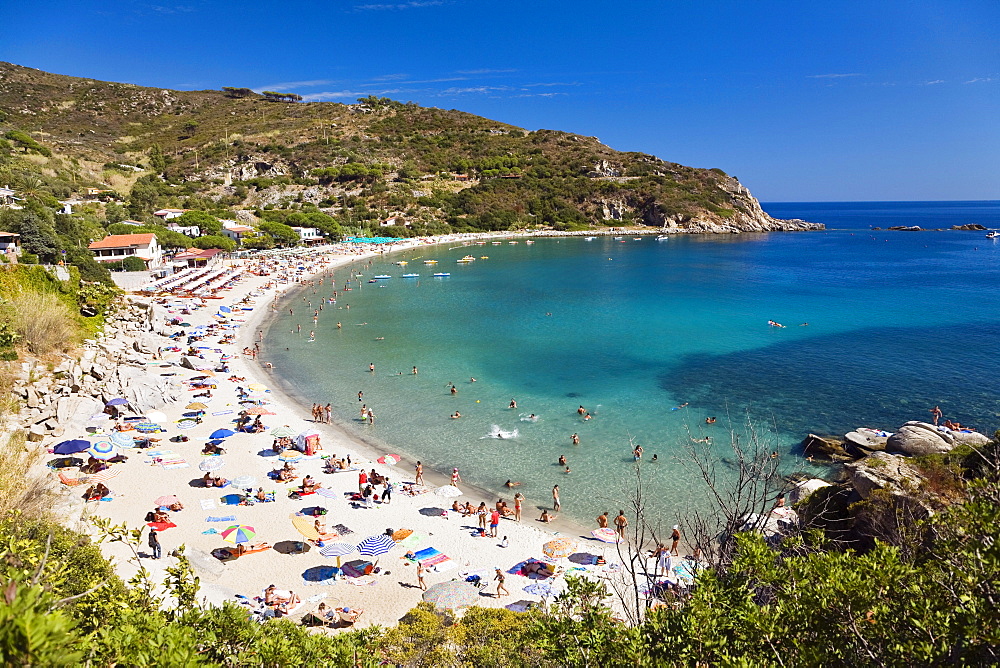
393	591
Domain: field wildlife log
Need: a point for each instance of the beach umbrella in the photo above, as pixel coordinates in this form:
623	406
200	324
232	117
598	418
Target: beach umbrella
156	416
103	476
373	546
196	406
225	309
305	526
244	481
337	550
257	387
71	447
451	595
122	440
606	535
186	424
212	464
290	456
166	500
102	450
239	533
448	491
257	410
222	433
560	548
283	432
390	460
117	401
148	427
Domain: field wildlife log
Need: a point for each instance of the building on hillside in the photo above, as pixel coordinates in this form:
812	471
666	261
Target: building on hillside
120	246
8	197
460	177
95	193
189	230
197	257
237	232
167	214
394	221
133	223
10	244
309	235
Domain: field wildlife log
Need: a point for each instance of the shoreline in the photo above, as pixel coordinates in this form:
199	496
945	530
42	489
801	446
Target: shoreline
341	434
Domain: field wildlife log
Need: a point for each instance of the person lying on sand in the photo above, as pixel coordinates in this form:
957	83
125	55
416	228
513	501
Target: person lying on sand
546	517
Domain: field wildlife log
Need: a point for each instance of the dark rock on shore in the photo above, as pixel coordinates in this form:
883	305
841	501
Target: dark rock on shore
971	227
906	228
825	448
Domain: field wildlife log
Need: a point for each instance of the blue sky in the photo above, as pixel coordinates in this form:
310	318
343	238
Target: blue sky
803	101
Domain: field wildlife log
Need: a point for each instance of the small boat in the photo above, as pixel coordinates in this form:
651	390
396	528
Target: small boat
496	243
411	275
444	273
467	258
636	238
372	280
484	257
402	263
591	238
529	241
512	243
993	234
663	237
430	261
480	243
618	238
382	276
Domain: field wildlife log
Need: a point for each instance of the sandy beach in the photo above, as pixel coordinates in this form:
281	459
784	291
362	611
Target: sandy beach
448	545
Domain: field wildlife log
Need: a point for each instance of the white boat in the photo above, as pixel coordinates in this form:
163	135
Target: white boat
496	243
591	238
443	273
618	238
467	258
402	263
993	234
411	275
512	243
382	276
663	237
430	261
529	241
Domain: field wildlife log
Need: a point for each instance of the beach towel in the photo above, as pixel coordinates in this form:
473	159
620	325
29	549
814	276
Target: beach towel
426	553
363	581
231	500
412	540
435	560
210	530
328	493
227	518
161	526
223	412
207	504
342	530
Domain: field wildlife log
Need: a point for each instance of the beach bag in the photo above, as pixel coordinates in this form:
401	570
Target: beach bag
149	517
294	495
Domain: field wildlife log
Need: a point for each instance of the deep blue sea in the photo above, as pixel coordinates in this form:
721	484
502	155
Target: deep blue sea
652	337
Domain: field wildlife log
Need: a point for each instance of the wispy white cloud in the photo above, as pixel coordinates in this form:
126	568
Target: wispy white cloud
980	80
377	82
473	90
171	9
933	83
553	83
286	85
539	94
486	71
413	4
390	77
347	93
835	75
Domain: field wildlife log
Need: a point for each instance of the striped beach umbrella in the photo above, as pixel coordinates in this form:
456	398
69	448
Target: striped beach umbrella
560	548
606	535
148	427
337	550
212	464
390	460
373	546
103	476
166	500
239	533
102	450
258	410
283	432
244	481
122	440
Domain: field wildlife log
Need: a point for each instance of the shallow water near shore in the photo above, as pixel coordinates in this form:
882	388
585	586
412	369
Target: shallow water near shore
632	330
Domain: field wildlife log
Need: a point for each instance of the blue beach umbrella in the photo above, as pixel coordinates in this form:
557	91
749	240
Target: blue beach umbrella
117	401
71	447
122	440
222	433
225	309
373	546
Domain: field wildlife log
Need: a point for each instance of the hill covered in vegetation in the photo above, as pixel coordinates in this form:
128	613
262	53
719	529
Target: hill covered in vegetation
242	155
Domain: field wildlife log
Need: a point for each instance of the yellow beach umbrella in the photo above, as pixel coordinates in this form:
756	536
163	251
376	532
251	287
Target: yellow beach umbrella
257	387
305	526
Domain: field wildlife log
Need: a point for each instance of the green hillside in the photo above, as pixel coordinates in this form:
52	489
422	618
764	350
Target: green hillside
236	154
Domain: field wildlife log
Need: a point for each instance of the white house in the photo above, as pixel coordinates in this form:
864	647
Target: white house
190	230
237	232
120	246
394	221
167	214
10	243
309	235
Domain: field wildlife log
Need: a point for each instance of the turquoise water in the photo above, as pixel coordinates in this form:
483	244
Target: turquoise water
897	322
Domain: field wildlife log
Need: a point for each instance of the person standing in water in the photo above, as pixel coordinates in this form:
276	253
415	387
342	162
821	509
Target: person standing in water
576	439
513	404
414	371
556	506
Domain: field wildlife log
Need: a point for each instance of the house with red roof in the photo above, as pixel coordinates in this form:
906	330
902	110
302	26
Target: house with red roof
116	247
197	257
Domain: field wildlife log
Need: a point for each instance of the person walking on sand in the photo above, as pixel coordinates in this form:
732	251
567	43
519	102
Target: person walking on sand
154	543
455	478
420	576
620	523
602	520
675	539
362	480
494	523
518	498
500	577
419	477
936	414
555	499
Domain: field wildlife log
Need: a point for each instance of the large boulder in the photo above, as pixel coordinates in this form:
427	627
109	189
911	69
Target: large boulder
803	489
824	447
862	442
883	471
921	438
